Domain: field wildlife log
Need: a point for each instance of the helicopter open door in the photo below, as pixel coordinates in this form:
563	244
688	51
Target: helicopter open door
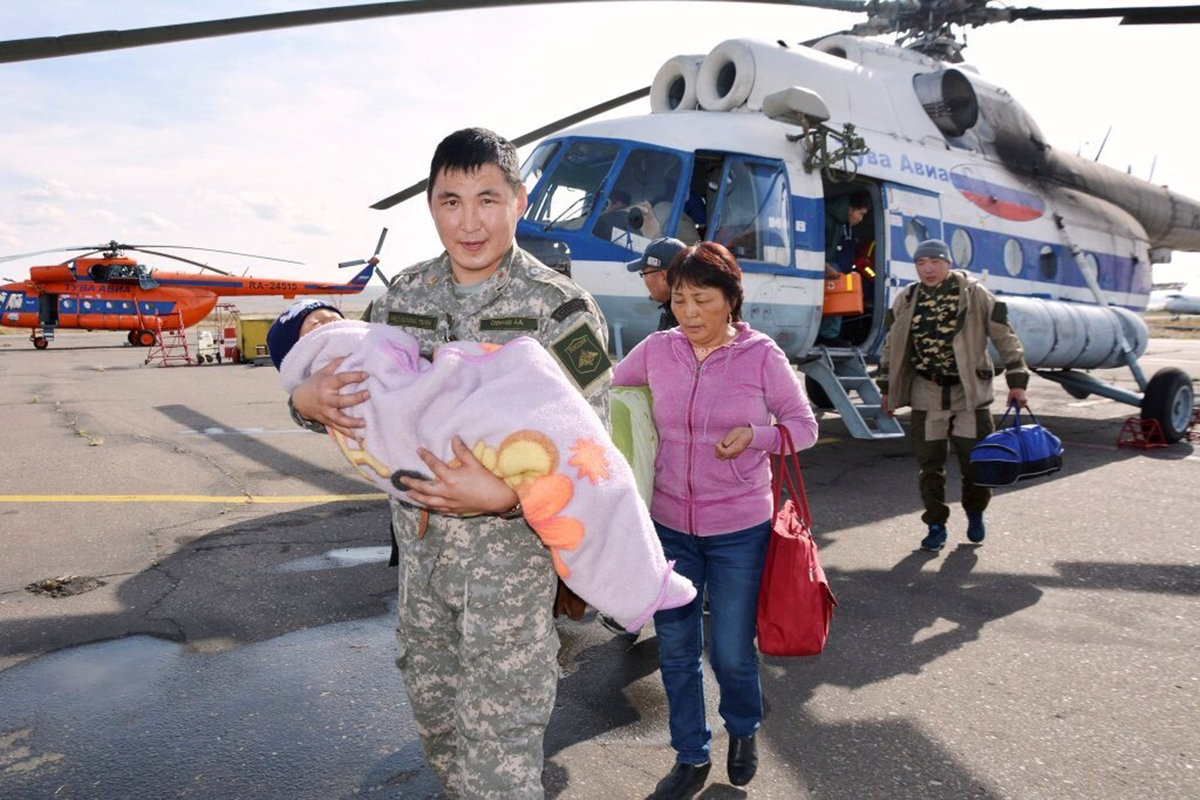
909	217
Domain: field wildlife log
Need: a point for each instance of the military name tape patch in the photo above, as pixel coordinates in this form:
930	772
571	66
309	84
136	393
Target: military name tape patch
406	320
509	324
582	355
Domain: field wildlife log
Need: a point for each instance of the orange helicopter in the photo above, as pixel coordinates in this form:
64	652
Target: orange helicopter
114	292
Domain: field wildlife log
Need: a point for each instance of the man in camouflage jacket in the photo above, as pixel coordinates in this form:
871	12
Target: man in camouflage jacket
477	644
935	359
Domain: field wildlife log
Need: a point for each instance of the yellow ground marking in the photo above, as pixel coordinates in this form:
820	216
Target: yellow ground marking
239	499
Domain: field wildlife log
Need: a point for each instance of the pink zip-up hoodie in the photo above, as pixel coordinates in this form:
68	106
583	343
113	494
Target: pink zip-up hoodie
746	382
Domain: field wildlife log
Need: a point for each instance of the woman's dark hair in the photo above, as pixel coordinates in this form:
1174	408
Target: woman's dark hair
709	264
471	148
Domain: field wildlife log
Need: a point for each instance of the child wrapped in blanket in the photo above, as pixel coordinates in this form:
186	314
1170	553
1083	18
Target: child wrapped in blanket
513	406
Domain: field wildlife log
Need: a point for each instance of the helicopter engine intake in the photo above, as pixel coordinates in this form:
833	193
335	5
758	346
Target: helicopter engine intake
674	86
949	100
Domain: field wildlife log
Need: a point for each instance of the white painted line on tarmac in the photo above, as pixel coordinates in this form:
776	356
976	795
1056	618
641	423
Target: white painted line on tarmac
219	431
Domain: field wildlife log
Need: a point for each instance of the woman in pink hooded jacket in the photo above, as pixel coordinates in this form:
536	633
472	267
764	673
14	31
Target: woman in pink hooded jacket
718	388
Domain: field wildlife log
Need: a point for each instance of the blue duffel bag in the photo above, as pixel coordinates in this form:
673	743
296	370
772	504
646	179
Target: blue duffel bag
1016	452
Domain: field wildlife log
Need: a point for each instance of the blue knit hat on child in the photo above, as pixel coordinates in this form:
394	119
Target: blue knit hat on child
285	331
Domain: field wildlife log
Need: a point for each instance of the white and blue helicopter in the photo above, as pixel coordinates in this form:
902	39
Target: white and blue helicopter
749	144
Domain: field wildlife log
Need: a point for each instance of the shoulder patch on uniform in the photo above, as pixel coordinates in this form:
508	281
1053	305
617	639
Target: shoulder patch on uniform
405	320
581	354
575	306
508	324
1000	313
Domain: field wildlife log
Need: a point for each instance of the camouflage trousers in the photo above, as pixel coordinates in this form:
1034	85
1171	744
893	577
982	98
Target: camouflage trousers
932	446
478	651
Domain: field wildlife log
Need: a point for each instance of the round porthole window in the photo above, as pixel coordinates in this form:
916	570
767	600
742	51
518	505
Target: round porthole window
962	248
1014	259
915	232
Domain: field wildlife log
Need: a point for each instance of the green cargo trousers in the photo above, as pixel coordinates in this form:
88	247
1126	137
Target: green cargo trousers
931	463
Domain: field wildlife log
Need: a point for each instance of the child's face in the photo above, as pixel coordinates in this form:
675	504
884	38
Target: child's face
318	318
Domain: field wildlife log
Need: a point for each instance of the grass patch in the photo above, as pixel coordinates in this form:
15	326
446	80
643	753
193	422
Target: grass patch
1166	325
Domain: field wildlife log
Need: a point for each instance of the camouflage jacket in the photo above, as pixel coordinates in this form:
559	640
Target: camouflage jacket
522	298
981	318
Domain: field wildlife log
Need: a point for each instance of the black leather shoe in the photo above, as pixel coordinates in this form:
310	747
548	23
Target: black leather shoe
743	760
681	782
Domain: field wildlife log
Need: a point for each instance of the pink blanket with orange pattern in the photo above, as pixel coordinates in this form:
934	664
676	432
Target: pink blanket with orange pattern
516	410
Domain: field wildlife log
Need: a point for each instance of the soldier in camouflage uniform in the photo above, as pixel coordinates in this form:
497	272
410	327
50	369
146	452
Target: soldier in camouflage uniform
478	648
935	359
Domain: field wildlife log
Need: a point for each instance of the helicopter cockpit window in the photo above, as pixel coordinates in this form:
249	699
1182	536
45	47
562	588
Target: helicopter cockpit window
753	212
567	196
532	169
641	205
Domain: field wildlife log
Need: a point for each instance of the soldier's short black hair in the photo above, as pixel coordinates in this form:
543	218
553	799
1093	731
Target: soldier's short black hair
471	148
859	200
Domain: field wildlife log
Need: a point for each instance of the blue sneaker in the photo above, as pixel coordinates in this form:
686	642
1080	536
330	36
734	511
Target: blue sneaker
936	538
975	529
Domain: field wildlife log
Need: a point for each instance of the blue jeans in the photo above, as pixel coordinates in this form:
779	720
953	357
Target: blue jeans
730	567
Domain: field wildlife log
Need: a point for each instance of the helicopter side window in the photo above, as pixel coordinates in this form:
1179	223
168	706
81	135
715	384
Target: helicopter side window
566	197
641	204
1014	258
753	212
1048	262
12	301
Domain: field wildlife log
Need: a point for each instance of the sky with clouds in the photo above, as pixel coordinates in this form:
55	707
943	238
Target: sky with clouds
277	143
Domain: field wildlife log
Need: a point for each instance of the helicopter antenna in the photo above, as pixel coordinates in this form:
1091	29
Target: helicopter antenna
1153	164
1103	142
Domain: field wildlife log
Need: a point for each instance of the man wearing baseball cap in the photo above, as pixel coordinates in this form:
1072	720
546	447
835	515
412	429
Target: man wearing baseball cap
935	359
652	266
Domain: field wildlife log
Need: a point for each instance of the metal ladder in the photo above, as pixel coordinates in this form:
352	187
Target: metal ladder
841	371
170	346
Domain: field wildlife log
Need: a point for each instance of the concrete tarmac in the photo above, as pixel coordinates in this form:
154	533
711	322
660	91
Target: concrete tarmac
195	602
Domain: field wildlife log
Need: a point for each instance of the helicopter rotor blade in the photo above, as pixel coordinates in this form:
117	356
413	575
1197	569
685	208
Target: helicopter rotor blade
1130	15
142	247
92	247
360	261
526	138
886	16
184	260
100	41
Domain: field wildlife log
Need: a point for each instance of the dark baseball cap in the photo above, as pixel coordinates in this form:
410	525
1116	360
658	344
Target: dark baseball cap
658	255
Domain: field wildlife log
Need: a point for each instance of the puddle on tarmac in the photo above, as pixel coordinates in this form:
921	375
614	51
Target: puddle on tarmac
335	559
315	713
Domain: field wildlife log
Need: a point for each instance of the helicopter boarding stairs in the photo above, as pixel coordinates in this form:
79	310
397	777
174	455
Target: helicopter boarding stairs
842	373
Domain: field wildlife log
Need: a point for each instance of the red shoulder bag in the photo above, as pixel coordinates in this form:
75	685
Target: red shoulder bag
795	603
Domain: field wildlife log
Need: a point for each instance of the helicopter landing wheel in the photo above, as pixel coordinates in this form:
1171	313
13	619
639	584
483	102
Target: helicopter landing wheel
132	337
41	342
1169	398
144	338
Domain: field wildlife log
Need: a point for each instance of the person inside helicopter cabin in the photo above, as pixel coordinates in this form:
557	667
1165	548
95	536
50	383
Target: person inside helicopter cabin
935	359
842	215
